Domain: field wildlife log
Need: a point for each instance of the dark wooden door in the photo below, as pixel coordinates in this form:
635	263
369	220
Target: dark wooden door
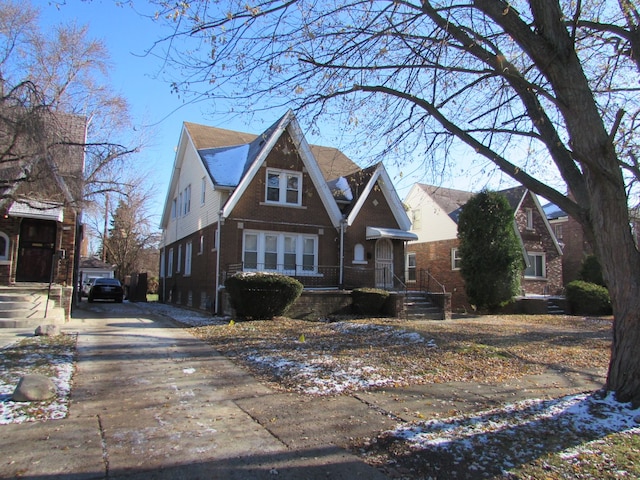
36	249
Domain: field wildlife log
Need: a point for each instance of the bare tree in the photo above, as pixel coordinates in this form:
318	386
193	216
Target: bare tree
48	75
547	91
131	234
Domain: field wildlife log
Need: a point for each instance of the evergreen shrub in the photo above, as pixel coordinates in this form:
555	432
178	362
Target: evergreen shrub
261	296
588	298
369	301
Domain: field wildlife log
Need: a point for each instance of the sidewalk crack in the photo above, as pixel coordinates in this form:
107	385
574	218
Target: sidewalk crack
103	443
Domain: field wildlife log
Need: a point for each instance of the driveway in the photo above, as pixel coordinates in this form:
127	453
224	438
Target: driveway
151	401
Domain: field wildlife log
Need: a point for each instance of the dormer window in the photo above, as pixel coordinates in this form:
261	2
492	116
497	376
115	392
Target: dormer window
284	187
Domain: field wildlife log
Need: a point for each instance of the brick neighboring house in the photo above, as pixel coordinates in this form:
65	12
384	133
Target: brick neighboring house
39	206
571	239
272	202
434	212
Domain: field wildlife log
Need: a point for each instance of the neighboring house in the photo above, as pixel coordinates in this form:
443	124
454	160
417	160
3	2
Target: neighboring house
272	202
39	207
92	267
572	240
435	211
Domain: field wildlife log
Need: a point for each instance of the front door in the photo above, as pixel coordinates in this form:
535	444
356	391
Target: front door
384	263
36	248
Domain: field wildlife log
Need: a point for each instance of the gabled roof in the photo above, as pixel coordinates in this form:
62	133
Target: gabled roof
217	145
450	200
516	196
257	153
363	182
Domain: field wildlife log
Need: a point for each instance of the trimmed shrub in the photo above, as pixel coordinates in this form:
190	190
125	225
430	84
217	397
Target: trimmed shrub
588	298
369	301
261	296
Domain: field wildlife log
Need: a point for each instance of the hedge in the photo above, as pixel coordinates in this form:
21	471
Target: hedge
369	301
588	298
260	296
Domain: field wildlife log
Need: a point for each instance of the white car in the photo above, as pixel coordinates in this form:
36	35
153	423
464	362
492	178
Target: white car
86	286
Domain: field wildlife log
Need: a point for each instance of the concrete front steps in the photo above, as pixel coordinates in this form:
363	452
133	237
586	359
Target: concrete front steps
25	305
418	306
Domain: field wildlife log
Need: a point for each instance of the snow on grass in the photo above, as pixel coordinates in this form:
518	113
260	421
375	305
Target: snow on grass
496	440
390	333
318	375
51	356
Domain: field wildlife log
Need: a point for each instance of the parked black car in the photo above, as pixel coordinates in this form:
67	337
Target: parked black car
106	289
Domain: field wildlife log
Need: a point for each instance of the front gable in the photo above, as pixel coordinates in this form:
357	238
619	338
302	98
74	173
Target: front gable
294	143
372	191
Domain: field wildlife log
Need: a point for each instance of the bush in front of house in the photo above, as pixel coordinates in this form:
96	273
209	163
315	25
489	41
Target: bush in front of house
588	298
369	301
261	296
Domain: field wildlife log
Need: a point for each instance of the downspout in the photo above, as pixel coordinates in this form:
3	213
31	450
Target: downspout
219	246
342	229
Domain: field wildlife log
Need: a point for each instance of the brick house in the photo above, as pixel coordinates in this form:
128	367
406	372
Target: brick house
572	239
272	202
434	212
39	206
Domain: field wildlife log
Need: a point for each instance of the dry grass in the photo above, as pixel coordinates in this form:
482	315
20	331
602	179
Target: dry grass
484	349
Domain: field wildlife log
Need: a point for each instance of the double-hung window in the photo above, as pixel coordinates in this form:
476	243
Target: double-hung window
284	187
170	263
536	265
456	259
410	271
292	254
188	253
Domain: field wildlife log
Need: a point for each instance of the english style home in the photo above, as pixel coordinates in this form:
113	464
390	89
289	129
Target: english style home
272	202
433	258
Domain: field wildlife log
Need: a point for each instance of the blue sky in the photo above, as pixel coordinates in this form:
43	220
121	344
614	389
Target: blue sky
127	35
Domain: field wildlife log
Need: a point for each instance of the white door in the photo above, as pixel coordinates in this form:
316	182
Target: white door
384	263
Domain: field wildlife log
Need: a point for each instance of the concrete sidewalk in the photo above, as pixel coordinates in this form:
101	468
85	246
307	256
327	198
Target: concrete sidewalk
151	401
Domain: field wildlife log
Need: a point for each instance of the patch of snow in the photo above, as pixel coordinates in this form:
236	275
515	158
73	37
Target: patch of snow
391	334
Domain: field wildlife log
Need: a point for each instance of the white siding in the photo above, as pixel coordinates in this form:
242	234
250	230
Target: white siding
435	224
200	215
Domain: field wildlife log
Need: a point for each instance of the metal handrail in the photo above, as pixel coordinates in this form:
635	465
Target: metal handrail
429	277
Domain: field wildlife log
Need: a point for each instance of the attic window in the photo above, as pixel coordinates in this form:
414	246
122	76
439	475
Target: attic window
529	212
284	187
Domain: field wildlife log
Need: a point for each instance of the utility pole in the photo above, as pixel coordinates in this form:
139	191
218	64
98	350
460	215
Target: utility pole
104	230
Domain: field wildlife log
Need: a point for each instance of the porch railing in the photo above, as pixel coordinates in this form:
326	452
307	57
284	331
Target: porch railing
328	276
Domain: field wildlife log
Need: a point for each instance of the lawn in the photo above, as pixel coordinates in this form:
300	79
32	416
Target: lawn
575	436
563	437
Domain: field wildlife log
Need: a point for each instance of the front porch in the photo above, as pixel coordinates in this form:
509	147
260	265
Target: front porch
32	304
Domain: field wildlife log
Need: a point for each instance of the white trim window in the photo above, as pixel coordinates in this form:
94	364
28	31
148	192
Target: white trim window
188	251
179	263
536	265
283	187
287	253
456	259
186	203
410	267
170	263
174	207
203	190
162	265
529	213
